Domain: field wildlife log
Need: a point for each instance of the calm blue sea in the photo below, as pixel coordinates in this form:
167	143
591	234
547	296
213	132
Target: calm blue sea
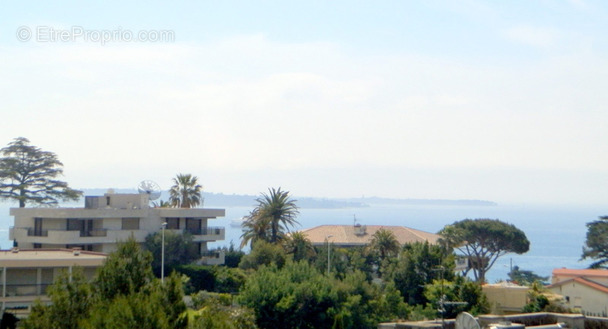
556	233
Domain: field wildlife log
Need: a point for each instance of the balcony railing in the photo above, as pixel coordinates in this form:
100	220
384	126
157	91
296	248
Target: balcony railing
210	230
16	290
33	232
94	233
211	254
52	236
101	235
213	257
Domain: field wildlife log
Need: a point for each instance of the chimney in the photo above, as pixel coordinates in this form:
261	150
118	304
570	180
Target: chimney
360	230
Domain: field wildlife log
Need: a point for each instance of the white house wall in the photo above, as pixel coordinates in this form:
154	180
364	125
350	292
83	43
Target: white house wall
591	300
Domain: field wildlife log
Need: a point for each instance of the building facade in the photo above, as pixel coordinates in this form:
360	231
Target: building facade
506	297
108	219
584	290
26	274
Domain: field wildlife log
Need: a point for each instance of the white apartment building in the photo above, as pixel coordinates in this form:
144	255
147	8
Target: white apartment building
110	218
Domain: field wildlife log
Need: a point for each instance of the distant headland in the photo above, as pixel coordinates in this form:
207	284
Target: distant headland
243	200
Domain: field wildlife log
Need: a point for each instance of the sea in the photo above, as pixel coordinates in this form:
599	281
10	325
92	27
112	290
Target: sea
556	232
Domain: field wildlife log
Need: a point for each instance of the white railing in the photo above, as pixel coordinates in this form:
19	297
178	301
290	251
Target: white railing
215	257
22	234
210	233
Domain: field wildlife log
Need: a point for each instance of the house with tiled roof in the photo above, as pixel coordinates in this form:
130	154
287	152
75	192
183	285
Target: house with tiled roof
361	235
586	290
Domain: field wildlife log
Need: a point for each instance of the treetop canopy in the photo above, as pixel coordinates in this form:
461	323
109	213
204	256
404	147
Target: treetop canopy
494	234
28	175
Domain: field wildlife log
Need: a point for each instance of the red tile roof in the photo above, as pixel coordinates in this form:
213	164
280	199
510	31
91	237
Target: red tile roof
345	234
582	281
578	273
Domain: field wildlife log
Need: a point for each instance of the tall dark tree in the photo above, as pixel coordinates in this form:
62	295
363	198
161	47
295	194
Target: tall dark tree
419	264
186	192
596	245
526	278
126	271
179	249
28	175
277	208
483	241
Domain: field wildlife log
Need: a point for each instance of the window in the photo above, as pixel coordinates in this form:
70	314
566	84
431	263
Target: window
578	302
193	225
172	223
130	223
74	224
80	224
38	226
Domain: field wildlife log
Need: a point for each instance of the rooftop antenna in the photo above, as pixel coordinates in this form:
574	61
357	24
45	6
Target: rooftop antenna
150	188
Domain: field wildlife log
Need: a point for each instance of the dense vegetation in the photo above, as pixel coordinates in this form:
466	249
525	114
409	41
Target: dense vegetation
125	294
283	282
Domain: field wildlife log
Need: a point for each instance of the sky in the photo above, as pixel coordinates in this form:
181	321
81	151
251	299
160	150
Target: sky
492	100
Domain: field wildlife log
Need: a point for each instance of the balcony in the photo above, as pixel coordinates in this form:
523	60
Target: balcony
33	232
212	258
102	235
19	290
45	233
63	237
209	233
94	233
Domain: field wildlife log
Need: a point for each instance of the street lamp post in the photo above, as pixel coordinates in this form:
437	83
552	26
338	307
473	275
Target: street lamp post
328	252
162	253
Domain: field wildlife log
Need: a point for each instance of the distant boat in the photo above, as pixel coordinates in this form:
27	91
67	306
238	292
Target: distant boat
237	222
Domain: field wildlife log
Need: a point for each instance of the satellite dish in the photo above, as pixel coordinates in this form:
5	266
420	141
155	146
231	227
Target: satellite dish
150	188
465	320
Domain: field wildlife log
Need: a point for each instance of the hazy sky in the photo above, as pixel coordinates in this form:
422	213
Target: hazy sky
494	100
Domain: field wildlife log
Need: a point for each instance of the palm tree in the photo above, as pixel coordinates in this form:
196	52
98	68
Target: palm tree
279	209
299	245
162	204
254	229
384	243
186	192
270	219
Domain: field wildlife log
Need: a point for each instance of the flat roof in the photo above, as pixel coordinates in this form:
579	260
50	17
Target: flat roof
50	258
